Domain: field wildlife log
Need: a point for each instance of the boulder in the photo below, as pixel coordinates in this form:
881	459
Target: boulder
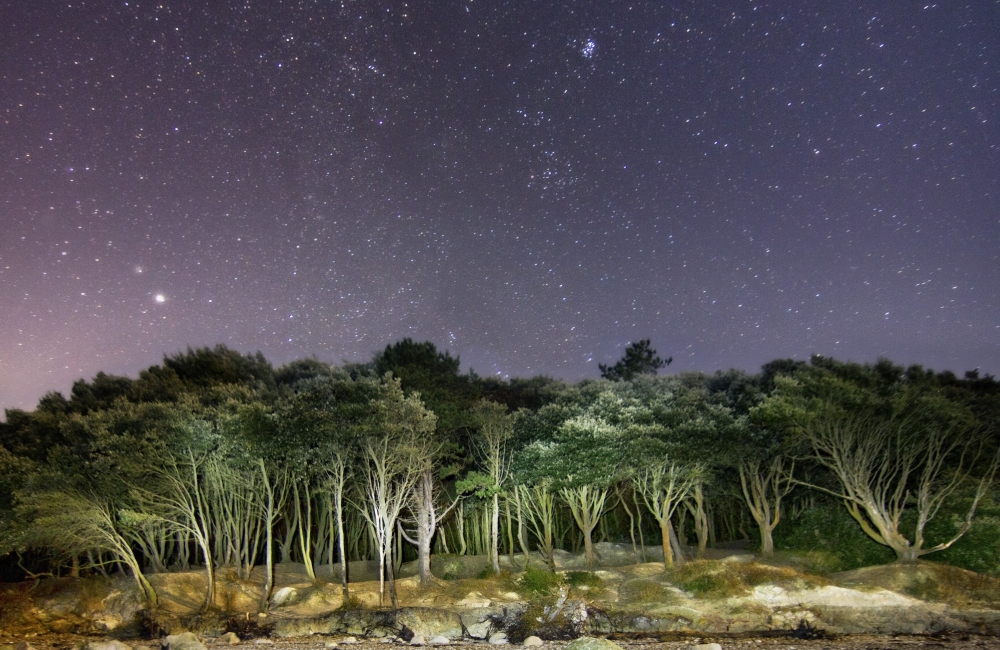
532	642
108	622
429	622
229	638
439	640
706	646
477	622
498	638
473	600
182	641
284	596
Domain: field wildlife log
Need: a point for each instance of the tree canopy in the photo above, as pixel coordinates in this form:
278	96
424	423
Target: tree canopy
640	359
214	458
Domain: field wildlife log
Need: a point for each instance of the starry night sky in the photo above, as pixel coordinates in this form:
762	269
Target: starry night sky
530	185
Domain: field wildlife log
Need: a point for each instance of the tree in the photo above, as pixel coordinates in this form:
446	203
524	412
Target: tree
582	462
881	467
663	487
177	495
898	447
434	375
75	522
424	505
539	507
496	428
393	454
764	485
254	429
640	359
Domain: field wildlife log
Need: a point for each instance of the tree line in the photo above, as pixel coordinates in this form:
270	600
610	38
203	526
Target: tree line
217	460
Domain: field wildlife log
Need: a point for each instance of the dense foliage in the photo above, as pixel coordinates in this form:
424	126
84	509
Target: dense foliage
216	459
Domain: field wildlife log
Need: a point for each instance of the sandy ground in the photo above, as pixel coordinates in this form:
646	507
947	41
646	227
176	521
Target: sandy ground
847	642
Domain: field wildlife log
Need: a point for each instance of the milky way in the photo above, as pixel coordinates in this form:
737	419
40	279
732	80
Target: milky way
530	185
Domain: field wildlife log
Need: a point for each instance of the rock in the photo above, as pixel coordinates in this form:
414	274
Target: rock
330	644
284	596
473	600
114	644
498	638
476	622
591	643
108	623
428	622
229	638
532	641
439	640
183	641
706	646
348	639
418	639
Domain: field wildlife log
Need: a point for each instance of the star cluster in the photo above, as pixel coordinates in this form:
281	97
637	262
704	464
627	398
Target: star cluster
530	185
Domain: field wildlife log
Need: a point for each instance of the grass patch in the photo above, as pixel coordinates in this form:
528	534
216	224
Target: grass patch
489	574
961	586
934	582
582	579
583	584
644	590
817	562
712	579
352	603
539	581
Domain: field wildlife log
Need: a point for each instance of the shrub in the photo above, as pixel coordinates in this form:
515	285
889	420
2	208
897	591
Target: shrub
828	528
352	603
582	579
643	590
979	549
539	581
707	579
714	585
488	573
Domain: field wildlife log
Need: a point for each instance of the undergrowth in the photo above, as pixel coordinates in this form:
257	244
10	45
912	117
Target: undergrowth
955	585
712	579
539	581
644	590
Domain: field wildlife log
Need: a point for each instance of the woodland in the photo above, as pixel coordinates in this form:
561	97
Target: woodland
217	460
